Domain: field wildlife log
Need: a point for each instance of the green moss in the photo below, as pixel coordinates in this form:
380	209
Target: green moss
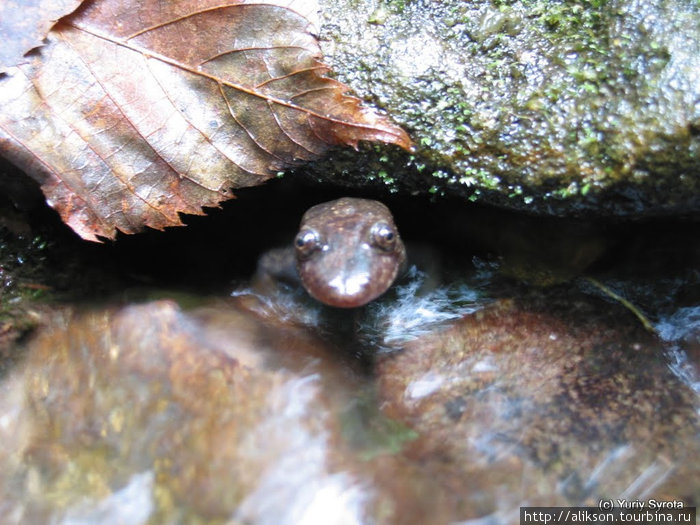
371	433
21	277
397	6
535	94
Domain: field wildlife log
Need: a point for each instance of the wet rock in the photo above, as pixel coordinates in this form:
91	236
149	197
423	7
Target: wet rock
552	398
559	108
254	409
152	414
148	414
22	283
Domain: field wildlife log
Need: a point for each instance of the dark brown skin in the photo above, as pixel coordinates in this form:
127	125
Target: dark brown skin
348	251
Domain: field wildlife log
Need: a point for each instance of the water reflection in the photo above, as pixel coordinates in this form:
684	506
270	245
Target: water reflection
473	397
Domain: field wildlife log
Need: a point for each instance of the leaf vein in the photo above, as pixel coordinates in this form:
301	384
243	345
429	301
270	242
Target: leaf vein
239	87
117	173
244	49
206	10
292	139
289	75
245	128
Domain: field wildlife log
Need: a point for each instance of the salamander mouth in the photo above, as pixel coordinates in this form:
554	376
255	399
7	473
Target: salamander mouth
347	291
346	300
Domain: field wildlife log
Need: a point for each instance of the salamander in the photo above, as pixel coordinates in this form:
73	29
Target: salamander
346	253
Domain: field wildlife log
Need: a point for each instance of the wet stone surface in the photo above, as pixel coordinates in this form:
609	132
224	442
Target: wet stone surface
149	413
553	107
544	409
253	410
518	361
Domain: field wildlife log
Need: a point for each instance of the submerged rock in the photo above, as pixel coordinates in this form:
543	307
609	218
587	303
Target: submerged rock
554	107
554	399
151	415
484	396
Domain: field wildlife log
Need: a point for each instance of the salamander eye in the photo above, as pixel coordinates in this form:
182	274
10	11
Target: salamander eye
383	236
306	243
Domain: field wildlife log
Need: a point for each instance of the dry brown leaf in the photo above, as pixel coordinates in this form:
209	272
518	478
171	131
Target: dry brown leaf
136	111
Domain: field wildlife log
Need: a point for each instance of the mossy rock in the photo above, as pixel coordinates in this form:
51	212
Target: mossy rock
553	107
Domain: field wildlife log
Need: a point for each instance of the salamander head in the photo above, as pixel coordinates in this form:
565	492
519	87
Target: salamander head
348	251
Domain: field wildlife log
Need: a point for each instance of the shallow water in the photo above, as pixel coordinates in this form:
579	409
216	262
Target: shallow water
468	390
458	404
